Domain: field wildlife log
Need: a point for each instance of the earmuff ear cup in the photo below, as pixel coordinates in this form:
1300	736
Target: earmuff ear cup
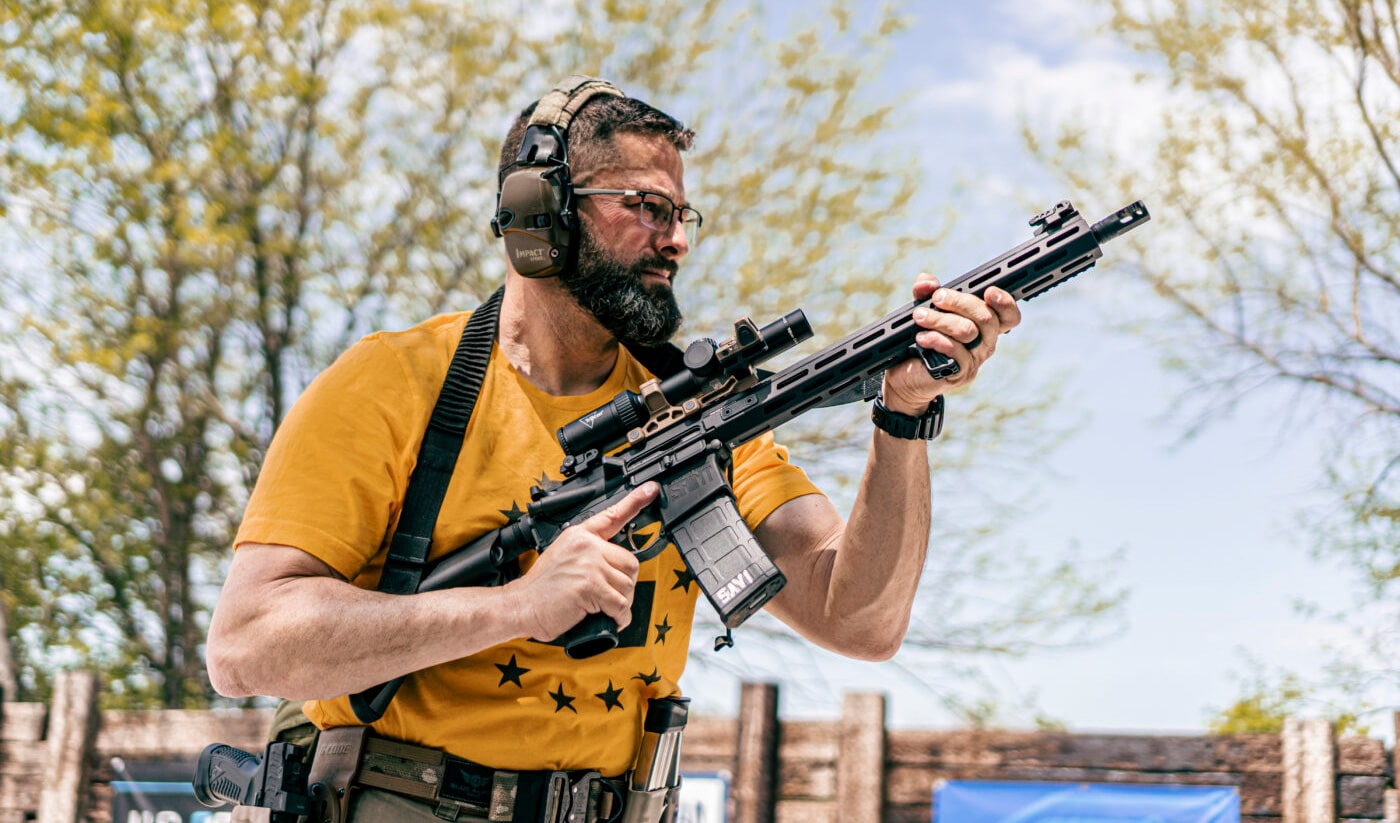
534	206
533	218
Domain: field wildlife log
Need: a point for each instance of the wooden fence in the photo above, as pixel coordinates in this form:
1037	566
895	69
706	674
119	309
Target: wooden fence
57	761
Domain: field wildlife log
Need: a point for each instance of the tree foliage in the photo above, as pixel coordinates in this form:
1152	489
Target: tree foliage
1265	704
1274	171
211	198
1277	176
218	195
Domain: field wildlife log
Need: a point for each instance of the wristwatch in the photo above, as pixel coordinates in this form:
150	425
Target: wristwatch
926	426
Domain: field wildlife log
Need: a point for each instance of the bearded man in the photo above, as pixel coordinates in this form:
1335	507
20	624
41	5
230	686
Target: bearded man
589	286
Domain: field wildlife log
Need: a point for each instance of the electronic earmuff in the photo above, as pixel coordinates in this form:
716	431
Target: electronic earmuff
534	204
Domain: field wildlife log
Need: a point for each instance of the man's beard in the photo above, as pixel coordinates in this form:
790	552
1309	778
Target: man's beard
613	292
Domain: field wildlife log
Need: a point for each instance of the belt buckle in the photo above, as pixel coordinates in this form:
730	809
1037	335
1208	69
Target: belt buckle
581	793
556	797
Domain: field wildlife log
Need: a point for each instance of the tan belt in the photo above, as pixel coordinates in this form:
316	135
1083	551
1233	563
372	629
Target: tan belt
348	757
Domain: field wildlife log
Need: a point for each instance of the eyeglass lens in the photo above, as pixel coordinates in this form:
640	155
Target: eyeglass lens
657	211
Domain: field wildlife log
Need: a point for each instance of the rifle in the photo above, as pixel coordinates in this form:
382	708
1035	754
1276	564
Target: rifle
681	432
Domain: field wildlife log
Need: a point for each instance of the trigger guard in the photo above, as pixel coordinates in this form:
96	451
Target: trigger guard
647	552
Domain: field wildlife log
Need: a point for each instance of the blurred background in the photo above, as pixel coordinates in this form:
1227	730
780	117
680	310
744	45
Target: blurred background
1169	505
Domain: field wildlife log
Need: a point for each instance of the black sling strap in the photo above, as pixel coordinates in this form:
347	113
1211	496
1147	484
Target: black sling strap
442	442
437	455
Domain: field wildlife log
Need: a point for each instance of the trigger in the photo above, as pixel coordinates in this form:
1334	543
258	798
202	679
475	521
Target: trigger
630	533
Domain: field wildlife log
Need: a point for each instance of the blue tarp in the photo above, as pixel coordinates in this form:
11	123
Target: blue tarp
986	801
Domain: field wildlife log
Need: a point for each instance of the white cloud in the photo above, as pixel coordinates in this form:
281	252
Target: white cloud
1007	87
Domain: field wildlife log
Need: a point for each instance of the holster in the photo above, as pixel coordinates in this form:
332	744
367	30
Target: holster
333	769
646	806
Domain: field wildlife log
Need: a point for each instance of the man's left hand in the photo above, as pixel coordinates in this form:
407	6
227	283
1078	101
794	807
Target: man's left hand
964	328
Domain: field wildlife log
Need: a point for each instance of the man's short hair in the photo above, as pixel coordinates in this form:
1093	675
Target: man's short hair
590	134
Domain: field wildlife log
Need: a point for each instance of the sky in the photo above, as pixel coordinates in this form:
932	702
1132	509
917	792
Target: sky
1208	527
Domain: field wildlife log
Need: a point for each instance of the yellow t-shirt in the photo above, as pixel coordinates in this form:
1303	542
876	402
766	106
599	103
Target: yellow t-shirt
332	485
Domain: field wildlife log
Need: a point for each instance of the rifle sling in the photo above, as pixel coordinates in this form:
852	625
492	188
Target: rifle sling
442	442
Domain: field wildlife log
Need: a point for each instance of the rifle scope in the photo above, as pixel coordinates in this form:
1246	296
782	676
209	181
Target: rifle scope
607	427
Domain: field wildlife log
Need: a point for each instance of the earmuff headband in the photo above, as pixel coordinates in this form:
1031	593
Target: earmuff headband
561	104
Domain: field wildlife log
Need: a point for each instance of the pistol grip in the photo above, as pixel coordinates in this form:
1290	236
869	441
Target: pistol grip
594	634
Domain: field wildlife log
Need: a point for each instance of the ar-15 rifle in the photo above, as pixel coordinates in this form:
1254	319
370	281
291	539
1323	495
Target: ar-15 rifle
681	431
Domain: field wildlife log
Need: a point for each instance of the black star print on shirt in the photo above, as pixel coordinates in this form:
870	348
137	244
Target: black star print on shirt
610	697
683	580
661	629
515	512
562	701
510	673
648	678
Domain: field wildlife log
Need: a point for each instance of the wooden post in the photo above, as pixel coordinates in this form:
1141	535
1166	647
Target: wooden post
1309	771
860	765
756	765
9	677
71	736
1392	797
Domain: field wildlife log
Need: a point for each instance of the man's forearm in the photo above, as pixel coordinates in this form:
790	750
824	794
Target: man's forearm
317	636
881	554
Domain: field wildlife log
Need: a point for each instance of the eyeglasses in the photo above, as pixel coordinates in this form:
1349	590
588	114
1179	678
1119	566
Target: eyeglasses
656	211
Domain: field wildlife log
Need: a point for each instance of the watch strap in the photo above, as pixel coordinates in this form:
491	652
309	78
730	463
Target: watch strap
926	426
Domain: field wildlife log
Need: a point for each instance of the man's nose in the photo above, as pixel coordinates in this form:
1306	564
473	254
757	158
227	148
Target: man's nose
673	243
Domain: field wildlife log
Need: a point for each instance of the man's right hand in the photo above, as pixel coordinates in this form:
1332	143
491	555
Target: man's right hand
582	572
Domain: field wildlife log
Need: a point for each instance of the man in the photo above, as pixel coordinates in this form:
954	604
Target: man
300	618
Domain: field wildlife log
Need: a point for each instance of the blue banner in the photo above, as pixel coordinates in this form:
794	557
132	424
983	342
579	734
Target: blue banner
987	801
160	801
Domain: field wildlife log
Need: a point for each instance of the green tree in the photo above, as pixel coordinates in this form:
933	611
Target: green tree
1264	704
215	197
1274	174
218	195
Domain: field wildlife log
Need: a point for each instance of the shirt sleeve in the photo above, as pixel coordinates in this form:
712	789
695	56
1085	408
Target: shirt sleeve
335	474
764	479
